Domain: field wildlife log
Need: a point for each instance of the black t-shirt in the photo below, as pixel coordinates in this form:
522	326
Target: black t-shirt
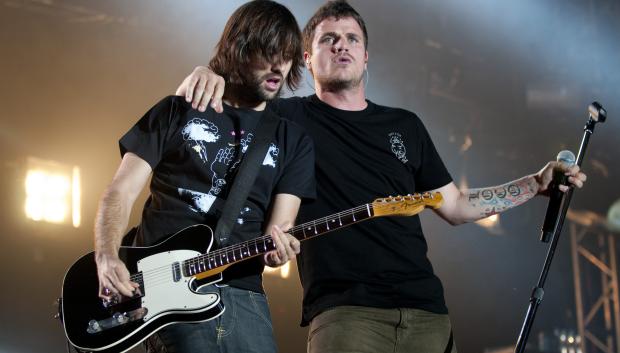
360	156
195	156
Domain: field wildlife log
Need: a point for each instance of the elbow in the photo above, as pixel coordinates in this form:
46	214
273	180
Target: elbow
451	217
455	222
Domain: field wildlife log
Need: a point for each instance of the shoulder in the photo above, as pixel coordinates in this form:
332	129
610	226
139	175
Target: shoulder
170	106
407	116
292	128
290	108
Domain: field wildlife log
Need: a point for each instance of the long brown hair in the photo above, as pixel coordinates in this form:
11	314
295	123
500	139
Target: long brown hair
259	30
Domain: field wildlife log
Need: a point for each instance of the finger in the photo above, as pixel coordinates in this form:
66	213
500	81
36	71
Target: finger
104	291
123	285
198	89
285	243
288	241
290	253
107	291
182	90
192	80
573	170
273	259
563	188
218	93
575	181
295	245
206	96
267	260
279	240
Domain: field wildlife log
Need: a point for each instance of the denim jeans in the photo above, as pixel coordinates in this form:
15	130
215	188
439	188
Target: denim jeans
359	329
244	327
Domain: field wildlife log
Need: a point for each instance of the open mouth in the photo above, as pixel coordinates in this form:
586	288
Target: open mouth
273	82
343	59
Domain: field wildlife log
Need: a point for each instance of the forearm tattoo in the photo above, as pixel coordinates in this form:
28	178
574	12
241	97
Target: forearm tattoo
497	199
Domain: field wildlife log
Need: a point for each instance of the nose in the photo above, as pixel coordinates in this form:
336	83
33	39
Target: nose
275	66
340	46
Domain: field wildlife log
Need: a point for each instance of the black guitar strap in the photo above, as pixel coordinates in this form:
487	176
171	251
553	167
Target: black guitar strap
246	175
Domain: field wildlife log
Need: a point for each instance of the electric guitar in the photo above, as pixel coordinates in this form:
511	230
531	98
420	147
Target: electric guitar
170	274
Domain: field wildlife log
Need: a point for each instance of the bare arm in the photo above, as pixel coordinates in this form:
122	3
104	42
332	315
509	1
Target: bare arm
461	206
111	222
202	86
283	213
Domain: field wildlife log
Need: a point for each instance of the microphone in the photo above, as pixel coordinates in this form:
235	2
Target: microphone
555	196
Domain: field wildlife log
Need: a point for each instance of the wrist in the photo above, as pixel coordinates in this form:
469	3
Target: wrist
105	254
534	182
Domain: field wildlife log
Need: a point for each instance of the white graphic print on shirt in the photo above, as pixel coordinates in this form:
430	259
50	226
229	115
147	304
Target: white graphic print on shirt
398	147
272	154
200	132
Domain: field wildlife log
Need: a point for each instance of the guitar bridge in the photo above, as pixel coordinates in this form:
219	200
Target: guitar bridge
118	319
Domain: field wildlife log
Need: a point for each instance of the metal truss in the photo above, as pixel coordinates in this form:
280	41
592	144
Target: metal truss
595	274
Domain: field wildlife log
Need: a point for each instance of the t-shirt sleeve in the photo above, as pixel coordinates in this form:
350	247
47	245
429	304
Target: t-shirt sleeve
432	173
298	175
147	138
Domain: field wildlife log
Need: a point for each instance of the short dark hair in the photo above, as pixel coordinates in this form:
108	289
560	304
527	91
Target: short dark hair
337	9
259	30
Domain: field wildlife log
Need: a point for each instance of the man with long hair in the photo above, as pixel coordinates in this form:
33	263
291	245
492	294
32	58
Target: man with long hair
391	301
192	158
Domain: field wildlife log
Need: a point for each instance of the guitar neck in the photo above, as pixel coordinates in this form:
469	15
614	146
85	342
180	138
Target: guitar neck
250	248
408	205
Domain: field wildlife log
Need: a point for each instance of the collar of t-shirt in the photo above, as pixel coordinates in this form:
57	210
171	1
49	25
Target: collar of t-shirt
350	114
242	112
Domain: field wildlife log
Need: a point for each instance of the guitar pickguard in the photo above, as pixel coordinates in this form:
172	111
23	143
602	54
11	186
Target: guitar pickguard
161	283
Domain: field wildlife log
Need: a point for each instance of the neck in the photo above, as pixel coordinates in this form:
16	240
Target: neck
353	98
237	96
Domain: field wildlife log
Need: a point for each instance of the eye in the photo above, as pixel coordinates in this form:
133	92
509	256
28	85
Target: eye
327	39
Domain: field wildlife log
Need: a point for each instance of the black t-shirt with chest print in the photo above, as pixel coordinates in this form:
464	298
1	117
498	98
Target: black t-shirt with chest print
195	156
360	156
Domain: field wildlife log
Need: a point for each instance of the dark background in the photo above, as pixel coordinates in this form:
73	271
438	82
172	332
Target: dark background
501	86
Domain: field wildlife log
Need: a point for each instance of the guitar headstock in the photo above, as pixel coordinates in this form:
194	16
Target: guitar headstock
407	205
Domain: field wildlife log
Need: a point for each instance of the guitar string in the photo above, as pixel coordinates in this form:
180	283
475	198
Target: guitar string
254	242
158	276
204	260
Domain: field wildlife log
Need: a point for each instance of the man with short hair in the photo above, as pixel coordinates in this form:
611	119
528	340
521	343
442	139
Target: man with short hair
193	157
371	288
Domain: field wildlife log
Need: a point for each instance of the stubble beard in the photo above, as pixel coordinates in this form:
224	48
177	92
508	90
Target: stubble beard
254	92
339	84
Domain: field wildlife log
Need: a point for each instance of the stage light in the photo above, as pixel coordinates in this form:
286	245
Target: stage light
613	216
52	192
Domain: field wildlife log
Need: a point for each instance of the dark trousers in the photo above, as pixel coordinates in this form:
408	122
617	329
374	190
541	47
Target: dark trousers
358	329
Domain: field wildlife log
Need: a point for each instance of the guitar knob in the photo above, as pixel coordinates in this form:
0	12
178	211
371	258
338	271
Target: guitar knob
120	318
93	326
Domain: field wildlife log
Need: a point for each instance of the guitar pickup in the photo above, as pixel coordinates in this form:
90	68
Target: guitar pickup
176	272
118	319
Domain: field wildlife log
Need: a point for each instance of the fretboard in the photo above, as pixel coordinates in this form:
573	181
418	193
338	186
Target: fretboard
261	245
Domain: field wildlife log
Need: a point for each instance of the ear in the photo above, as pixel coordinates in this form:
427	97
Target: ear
307	57
366	60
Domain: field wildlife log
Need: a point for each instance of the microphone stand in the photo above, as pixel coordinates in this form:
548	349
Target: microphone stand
597	113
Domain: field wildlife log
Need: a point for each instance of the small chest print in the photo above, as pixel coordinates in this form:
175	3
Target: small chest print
398	146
